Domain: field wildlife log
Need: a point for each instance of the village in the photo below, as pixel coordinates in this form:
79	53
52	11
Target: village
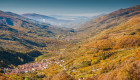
31	67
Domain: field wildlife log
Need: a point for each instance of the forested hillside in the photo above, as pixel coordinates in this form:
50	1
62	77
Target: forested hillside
110	20
22	34
11	58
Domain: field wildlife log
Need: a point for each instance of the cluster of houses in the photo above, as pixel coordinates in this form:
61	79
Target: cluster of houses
30	67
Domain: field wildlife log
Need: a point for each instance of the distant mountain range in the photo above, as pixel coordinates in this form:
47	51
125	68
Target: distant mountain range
61	21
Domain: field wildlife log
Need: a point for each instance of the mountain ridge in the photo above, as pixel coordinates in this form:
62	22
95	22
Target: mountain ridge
75	22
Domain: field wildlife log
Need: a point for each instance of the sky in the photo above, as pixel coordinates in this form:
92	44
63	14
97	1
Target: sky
66	7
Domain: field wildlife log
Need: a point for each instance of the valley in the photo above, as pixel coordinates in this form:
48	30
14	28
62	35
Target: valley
105	47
